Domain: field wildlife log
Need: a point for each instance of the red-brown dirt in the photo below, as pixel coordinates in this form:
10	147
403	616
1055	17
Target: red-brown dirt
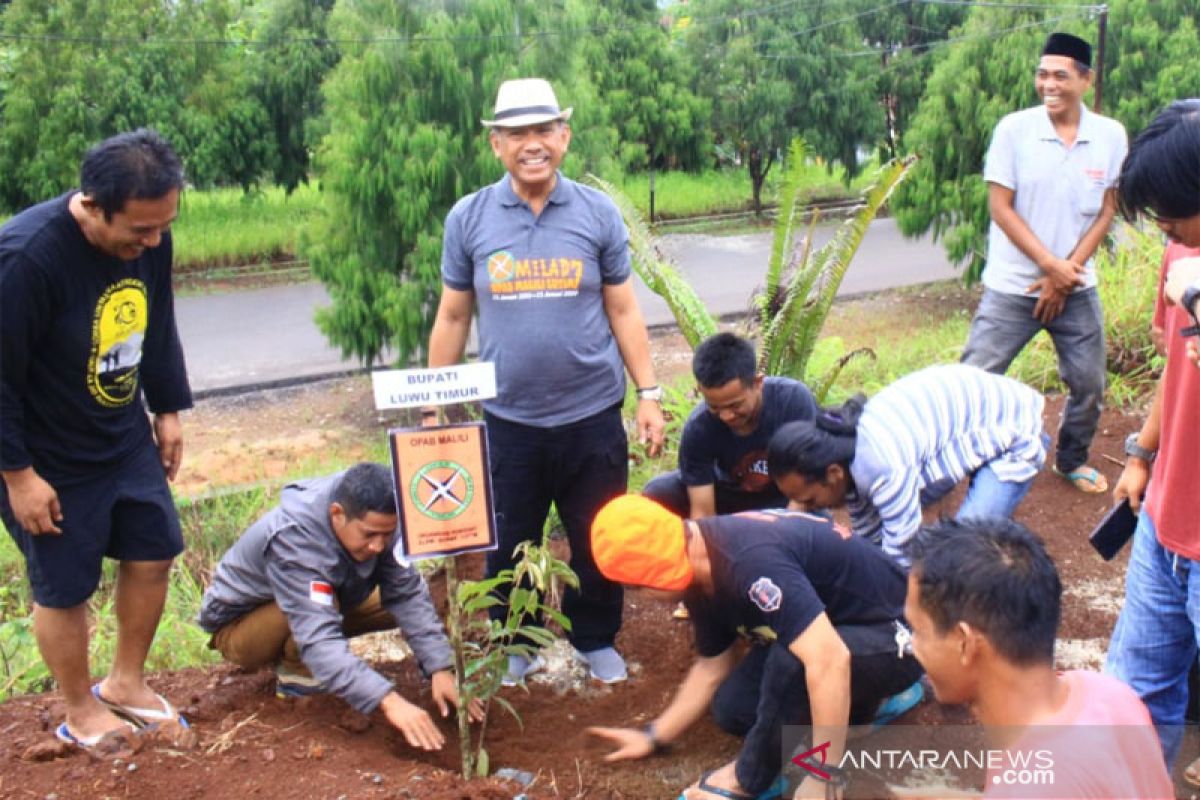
253	745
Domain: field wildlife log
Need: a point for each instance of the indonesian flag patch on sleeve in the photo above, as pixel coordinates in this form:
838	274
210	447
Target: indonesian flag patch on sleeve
320	593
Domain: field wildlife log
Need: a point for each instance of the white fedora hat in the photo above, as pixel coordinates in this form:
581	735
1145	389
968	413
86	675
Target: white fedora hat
526	101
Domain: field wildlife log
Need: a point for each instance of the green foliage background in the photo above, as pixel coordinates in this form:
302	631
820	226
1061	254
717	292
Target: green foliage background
378	103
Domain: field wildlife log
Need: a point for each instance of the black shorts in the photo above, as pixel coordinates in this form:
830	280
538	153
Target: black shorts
125	513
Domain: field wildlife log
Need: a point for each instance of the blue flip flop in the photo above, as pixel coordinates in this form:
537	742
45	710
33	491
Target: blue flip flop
898	704
64	734
142	717
773	792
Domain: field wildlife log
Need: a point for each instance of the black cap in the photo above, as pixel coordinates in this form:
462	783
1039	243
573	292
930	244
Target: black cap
1065	44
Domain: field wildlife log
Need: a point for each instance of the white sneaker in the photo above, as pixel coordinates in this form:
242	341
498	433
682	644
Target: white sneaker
605	665
519	668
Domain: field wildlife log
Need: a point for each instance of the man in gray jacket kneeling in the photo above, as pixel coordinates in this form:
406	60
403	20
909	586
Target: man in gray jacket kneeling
315	571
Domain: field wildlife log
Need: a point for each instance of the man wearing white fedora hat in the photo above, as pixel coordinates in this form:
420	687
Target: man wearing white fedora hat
547	261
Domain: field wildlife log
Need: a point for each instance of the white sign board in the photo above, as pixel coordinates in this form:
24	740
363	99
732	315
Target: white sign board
409	388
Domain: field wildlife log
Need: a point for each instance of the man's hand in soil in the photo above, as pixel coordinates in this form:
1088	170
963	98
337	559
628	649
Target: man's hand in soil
168	433
33	501
631	743
445	694
414	722
651	426
1050	302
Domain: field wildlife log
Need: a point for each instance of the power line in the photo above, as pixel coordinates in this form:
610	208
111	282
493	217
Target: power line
830	24
790	34
408	39
991	34
928	46
1018	6
420	38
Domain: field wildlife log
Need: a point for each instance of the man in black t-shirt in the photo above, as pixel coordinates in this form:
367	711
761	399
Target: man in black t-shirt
723	451
822	610
87	333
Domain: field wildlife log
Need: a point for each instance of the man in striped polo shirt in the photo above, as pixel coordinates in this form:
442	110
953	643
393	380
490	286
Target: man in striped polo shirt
909	446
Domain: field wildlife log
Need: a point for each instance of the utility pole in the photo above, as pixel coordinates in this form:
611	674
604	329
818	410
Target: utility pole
651	195
1100	58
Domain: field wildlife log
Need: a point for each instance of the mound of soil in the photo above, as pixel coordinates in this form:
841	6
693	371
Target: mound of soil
251	744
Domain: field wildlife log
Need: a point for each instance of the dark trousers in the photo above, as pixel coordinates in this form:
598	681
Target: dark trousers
767	690
670	492
578	467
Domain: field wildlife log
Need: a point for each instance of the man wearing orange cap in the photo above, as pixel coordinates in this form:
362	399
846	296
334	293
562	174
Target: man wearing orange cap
823	613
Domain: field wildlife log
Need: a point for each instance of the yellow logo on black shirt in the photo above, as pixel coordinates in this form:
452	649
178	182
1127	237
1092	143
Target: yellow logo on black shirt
118	328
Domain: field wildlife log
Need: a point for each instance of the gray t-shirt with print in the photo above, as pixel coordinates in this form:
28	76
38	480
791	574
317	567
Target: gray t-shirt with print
538	284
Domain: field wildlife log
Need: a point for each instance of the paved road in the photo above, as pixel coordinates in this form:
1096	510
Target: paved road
266	336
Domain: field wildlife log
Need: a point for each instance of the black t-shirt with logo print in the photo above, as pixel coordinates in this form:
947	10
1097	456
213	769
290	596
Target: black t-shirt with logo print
711	454
85	336
774	572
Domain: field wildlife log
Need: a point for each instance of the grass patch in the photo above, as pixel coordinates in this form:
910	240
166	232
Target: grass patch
227	226
934	318
223	227
685	194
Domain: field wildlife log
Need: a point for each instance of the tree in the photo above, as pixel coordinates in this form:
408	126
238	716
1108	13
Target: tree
770	76
76	72
643	79
404	142
292	57
1153	47
901	36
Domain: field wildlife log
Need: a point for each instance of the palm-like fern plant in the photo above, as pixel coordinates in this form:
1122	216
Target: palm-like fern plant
657	272
800	288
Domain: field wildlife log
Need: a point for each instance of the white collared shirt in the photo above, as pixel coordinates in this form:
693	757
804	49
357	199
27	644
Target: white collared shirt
1059	190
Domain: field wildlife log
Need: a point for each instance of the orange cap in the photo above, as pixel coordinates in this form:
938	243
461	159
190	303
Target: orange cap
637	541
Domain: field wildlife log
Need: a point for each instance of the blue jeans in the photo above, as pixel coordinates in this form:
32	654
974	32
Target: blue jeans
988	496
1004	324
1155	641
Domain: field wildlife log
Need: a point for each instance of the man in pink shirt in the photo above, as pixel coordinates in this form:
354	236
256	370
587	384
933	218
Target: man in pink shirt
984	602
1154	643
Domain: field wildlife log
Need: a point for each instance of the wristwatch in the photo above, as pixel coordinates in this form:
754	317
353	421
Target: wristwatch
838	779
1132	448
657	745
654	393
